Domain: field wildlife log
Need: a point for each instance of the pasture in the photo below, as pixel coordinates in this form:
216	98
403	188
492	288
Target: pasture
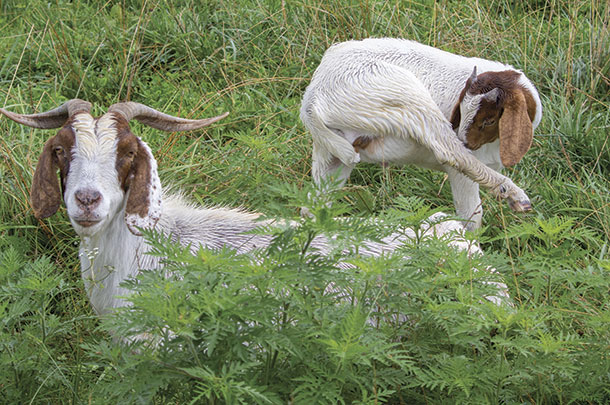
237	339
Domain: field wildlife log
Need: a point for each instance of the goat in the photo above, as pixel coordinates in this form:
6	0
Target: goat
112	190
386	100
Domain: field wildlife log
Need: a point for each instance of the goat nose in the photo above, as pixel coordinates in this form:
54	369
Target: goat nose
88	198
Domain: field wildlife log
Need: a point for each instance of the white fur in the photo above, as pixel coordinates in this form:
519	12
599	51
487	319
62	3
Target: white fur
93	168
401	94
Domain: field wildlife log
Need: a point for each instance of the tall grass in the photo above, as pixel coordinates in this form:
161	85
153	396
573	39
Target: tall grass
254	58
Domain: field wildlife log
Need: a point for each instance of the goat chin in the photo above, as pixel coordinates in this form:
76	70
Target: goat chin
387	100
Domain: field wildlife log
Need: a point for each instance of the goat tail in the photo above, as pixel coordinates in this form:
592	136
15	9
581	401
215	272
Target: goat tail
327	138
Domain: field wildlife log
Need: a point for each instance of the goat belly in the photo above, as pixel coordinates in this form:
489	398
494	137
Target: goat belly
399	151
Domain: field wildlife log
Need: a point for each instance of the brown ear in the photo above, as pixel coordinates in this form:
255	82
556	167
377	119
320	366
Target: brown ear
45	195
515	129
143	208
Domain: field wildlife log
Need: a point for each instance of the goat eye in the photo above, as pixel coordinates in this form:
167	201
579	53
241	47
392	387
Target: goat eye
131	154
486	123
58	150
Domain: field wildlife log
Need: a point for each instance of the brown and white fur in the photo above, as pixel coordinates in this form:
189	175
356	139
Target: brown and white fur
385	100
111	189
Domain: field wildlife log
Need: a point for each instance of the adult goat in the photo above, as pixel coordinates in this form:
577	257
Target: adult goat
111	190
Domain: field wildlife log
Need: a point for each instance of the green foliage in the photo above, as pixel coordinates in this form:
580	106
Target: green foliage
39	358
288	324
229	329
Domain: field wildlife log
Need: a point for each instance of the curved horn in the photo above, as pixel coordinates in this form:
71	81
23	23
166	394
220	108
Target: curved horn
493	96
51	119
473	75
158	120
472	79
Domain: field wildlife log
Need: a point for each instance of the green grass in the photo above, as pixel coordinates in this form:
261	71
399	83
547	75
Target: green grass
254	59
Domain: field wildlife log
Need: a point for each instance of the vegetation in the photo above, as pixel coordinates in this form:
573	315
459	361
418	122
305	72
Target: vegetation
228	329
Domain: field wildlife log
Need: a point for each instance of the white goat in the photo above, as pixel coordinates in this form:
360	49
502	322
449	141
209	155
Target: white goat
391	100
111	188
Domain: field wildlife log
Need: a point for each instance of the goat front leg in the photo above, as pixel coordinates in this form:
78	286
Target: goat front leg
466	198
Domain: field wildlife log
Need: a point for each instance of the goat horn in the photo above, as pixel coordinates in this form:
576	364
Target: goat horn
473	76
158	120
51	119
471	80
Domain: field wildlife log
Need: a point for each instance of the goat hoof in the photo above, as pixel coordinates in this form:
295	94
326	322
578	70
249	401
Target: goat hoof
520	206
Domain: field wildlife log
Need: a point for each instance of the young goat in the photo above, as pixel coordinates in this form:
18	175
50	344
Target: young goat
398	101
111	188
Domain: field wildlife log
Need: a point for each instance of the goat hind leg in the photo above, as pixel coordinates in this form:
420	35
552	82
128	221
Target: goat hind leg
449	151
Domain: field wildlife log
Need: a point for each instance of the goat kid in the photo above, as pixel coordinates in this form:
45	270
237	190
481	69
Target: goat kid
388	100
111	188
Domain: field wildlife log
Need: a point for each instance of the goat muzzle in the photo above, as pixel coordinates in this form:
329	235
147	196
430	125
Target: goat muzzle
88	199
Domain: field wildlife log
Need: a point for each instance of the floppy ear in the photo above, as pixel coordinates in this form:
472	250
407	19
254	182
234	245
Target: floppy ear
143	208
515	129
45	195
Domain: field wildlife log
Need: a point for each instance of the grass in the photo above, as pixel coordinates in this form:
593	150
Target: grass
254	59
